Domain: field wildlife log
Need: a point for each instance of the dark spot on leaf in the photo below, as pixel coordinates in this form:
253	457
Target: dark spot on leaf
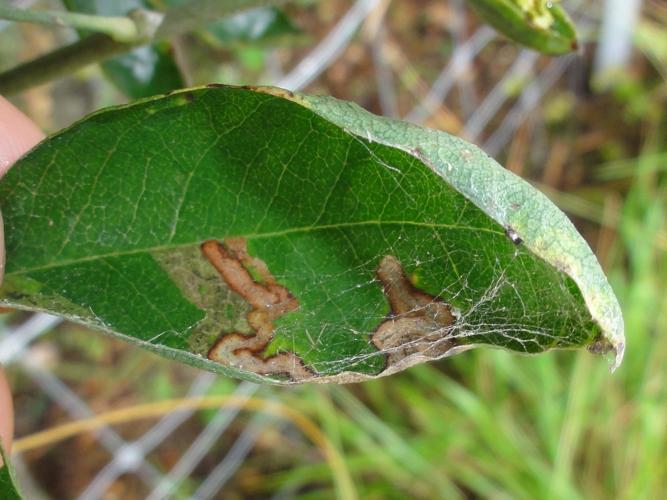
512	235
600	346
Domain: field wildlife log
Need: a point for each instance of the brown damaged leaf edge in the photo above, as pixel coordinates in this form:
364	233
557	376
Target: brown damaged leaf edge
264	89
417	327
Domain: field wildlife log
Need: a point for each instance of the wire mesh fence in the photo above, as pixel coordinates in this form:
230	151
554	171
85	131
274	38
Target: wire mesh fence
485	104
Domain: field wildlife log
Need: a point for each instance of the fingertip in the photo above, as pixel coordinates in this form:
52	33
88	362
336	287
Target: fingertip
18	134
6	414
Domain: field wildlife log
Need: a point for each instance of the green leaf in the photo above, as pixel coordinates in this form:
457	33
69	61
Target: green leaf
9	489
281	237
143	71
191	14
252	26
539	24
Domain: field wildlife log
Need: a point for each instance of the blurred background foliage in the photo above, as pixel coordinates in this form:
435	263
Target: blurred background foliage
485	424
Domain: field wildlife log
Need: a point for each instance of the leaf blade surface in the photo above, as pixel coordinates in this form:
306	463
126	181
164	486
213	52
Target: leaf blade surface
8	482
284	237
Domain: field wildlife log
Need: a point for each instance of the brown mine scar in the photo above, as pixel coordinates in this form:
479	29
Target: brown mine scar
418	323
265	89
269	301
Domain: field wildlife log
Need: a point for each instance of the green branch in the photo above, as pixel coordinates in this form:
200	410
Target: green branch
148	26
120	28
60	62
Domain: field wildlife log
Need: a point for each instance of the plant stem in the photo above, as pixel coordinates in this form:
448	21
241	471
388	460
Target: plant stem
148	26
63	61
120	28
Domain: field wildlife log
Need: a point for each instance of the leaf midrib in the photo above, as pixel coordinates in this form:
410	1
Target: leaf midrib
269	234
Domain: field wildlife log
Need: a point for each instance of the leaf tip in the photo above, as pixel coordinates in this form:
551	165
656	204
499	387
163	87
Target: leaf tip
605	346
619	351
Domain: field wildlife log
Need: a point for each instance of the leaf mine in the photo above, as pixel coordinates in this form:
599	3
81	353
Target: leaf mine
269	301
419	324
